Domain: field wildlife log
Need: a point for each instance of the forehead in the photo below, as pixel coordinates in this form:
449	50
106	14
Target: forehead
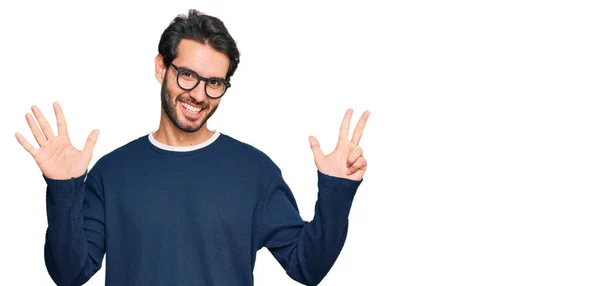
201	58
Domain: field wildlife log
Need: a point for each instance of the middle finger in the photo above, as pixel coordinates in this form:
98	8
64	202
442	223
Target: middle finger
43	123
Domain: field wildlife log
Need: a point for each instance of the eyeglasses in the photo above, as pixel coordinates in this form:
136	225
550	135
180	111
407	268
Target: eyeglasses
188	79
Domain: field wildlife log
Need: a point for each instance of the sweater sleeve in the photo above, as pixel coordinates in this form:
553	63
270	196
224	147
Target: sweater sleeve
307	250
75	237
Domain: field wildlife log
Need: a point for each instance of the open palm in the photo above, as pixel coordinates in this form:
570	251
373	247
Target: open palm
56	156
346	160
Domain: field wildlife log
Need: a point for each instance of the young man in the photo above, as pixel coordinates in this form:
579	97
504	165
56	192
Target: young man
186	205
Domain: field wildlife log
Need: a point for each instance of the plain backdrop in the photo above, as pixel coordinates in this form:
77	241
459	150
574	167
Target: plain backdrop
483	142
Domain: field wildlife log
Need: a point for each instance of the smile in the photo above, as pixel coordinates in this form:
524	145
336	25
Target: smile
190	108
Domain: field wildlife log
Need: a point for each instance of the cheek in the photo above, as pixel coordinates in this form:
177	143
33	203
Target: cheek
172	93
171	87
214	103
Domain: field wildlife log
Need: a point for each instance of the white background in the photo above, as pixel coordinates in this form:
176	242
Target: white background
483	143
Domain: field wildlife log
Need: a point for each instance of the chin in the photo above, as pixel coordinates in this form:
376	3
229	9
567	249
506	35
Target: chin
189	127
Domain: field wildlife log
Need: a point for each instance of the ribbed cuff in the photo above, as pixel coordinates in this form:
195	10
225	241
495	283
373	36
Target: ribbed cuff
341	186
62	192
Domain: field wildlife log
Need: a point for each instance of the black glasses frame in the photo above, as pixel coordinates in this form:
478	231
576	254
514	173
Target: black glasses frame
200	78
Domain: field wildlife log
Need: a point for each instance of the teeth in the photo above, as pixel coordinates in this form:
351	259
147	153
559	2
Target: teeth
191	108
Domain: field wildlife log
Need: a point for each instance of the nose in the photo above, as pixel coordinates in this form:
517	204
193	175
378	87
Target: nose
199	92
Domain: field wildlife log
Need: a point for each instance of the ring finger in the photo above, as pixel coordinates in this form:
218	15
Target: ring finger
35	129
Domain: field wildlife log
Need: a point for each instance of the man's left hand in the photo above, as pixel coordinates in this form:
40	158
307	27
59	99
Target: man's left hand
347	160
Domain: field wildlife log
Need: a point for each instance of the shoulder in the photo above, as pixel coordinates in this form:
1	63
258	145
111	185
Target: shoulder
120	155
245	153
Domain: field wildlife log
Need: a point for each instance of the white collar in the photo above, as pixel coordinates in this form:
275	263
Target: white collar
183	148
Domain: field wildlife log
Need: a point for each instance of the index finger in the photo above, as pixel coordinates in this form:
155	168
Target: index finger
360	127
345	128
60	120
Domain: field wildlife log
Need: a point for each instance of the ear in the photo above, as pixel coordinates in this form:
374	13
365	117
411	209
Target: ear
159	68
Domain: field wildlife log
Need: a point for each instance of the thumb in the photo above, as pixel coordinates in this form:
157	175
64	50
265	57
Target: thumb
91	141
316	148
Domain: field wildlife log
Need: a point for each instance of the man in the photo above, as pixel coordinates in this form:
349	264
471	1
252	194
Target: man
186	205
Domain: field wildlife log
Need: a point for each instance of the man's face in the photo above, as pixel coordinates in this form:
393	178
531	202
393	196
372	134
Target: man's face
189	110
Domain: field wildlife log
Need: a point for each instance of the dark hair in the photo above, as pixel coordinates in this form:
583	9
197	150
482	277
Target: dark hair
202	28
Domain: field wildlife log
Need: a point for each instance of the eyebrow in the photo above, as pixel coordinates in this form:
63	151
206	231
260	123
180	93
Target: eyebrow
189	69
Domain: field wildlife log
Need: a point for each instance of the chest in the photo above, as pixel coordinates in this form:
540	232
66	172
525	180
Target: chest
179	209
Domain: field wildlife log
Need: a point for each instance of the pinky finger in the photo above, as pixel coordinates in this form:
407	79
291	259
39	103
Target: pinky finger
361	163
32	150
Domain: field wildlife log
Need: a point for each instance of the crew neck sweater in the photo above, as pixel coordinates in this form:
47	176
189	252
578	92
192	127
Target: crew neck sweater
194	215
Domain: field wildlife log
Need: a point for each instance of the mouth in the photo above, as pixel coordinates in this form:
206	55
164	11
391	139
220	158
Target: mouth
191	110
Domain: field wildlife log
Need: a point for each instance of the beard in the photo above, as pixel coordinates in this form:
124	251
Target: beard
170	106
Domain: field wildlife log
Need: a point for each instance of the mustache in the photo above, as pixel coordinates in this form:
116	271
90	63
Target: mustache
191	101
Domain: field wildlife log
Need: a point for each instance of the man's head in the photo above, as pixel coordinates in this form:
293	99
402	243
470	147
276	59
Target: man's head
194	48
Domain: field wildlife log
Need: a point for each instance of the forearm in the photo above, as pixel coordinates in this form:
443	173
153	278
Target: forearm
320	241
67	255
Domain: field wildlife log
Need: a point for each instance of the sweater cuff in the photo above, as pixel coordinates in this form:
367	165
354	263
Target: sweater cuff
343	186
62	192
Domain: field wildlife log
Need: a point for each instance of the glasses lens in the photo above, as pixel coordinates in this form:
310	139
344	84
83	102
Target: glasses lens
215	87
187	80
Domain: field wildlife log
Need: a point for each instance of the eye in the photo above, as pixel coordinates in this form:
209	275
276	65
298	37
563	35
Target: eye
187	74
215	83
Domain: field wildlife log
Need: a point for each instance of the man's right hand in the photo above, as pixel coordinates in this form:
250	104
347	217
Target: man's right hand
56	156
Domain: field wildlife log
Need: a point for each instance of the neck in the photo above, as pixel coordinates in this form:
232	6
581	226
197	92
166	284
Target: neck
170	135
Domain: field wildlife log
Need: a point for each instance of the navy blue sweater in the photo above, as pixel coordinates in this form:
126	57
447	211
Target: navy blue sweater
191	217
